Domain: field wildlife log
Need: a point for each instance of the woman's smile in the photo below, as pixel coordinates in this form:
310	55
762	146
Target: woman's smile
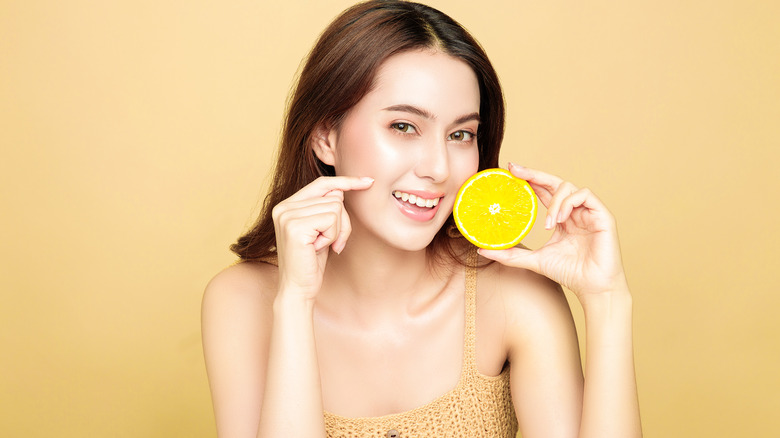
418	205
415	134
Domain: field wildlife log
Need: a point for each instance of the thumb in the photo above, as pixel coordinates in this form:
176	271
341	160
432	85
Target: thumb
516	257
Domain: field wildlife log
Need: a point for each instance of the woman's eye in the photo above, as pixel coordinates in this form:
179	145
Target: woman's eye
406	128
461	136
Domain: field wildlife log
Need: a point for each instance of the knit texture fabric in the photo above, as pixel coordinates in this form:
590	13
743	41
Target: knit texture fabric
478	406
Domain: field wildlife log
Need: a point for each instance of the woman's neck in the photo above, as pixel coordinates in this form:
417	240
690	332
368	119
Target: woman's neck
370	278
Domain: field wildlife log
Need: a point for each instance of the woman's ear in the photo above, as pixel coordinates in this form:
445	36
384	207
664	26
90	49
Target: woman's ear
323	142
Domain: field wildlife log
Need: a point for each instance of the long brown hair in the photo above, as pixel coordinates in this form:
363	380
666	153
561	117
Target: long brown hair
339	71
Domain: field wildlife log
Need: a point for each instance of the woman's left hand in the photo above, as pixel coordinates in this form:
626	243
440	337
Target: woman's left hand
583	253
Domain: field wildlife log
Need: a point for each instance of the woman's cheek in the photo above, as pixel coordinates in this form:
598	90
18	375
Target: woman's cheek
466	163
362	151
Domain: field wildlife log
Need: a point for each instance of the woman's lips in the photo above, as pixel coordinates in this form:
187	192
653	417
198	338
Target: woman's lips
417	205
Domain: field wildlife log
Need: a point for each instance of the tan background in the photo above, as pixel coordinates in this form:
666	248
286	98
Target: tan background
136	137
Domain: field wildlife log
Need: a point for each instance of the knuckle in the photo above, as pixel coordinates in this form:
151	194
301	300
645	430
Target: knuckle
288	224
334	216
283	216
277	211
333	207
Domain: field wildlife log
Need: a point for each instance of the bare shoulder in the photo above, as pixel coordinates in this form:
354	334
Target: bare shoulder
237	316
244	280
238	303
533	306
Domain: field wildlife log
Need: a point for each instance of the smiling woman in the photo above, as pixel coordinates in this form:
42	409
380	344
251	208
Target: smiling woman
341	68
357	310
413	135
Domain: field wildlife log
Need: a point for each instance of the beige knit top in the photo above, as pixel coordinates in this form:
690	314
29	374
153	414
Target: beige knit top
478	406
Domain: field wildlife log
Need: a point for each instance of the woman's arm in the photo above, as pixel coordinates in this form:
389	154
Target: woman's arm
258	329
610	403
236	319
292	400
541	342
583	255
307	226
260	356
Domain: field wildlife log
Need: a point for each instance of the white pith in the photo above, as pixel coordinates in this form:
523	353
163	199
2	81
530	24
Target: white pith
416	200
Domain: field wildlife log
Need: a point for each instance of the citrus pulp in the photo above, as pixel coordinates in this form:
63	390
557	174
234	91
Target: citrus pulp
494	209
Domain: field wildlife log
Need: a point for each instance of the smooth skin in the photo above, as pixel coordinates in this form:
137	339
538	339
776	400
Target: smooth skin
353	279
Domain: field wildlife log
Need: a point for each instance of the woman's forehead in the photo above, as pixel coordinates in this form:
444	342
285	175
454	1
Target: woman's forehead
428	79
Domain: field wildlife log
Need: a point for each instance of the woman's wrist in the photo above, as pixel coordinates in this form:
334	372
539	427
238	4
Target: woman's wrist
290	299
611	302
614	291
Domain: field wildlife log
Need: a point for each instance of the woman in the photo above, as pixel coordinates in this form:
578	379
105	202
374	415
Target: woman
358	313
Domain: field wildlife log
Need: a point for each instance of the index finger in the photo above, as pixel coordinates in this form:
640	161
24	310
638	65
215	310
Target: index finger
326	184
537	177
544	184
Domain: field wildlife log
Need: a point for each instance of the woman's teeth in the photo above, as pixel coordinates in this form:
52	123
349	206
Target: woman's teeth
412	199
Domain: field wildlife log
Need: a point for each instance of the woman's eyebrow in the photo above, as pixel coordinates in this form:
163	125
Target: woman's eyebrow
426	114
411	109
468	118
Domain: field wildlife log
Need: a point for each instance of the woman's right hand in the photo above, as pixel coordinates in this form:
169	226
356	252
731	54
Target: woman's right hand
307	225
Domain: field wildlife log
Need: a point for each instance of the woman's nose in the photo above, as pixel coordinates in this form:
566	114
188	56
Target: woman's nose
434	161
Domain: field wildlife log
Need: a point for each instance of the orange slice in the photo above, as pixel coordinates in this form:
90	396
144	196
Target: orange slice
494	209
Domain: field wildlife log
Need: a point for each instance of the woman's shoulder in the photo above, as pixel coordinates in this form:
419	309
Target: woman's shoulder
243	283
531	303
519	285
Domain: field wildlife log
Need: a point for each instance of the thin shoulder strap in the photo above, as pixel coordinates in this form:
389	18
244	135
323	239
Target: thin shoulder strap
469	349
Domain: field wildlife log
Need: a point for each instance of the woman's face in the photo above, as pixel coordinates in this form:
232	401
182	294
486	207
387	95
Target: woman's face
415	134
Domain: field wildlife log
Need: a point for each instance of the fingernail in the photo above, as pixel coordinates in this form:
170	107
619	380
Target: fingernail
559	219
548	222
514	166
367	179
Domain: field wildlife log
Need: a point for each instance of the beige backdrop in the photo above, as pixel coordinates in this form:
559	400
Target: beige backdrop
136	136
